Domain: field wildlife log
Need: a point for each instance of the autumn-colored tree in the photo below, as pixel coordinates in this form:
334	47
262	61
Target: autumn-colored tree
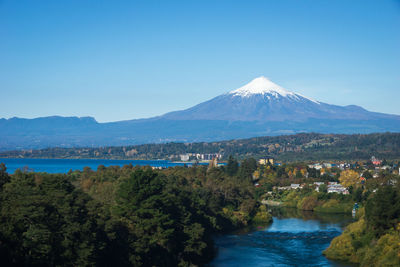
256	174
349	178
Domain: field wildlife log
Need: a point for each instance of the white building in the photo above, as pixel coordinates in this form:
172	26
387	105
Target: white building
184	157
295	186
337	188
316	166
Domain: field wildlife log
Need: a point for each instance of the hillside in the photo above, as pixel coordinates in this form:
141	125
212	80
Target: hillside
299	147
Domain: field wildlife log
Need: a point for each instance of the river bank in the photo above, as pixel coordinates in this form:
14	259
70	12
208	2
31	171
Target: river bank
313	201
373	240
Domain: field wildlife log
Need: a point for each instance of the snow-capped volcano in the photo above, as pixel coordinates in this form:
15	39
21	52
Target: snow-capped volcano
261	100
258	108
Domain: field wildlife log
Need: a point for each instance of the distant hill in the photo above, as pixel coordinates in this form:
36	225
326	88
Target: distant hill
299	147
259	108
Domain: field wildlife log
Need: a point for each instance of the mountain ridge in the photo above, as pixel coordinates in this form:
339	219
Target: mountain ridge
258	108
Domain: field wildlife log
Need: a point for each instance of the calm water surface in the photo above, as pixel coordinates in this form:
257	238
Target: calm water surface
294	238
64	165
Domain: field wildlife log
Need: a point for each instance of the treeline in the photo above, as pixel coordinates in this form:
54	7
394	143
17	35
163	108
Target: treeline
299	147
129	216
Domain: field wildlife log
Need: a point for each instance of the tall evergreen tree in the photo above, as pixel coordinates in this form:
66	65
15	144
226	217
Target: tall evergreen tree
232	166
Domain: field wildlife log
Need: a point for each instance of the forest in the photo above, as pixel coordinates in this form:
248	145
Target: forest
286	148
122	216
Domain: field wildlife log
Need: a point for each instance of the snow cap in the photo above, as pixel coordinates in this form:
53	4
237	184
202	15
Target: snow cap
264	86
261	85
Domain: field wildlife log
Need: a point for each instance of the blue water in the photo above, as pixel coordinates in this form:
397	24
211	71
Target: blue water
64	165
286	242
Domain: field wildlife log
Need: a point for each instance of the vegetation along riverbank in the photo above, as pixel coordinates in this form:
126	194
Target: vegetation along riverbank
374	239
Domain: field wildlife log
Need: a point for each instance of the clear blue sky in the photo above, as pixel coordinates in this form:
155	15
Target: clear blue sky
119	60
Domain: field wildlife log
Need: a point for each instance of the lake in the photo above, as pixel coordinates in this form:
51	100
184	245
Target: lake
295	238
64	165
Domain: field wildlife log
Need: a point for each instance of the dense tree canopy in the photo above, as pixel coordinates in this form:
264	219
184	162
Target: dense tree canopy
45	221
382	210
129	216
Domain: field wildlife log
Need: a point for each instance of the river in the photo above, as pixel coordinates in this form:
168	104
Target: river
295	238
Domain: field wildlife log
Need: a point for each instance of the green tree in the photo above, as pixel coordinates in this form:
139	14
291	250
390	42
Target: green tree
323	188
382	210
232	166
45	221
358	194
162	219
367	175
4	177
247	168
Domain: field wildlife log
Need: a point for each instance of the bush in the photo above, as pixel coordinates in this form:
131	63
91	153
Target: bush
386	252
341	247
262	216
308	203
334	206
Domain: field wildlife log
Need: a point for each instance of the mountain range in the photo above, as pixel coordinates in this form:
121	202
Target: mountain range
259	108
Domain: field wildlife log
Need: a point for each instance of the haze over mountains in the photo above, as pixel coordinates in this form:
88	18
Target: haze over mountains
259	108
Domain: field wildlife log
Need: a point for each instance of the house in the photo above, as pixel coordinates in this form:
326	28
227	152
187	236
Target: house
184	157
281	187
316	166
208	156
337	188
376	161
327	165
295	186
265	161
344	166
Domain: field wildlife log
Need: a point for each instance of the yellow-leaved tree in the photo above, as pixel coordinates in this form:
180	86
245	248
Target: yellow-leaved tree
256	174
349	178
